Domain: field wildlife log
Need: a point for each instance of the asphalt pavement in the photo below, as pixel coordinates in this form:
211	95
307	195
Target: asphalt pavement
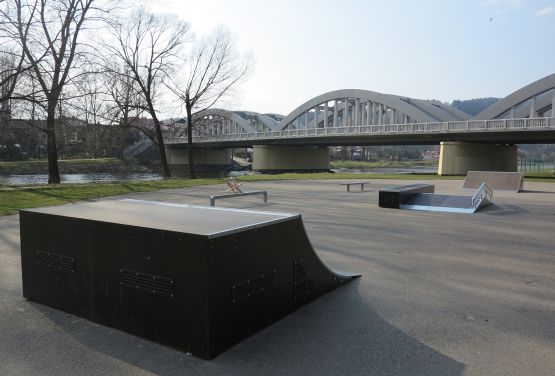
440	294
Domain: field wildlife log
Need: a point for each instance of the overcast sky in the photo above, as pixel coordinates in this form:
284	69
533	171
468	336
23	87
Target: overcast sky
427	49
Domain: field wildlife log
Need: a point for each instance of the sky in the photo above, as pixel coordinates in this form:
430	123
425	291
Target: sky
426	49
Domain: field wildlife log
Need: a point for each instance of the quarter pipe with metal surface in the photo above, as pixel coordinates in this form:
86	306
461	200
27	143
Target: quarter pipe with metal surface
196	278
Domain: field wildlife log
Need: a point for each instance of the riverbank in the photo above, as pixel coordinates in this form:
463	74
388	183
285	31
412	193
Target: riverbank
73	166
117	166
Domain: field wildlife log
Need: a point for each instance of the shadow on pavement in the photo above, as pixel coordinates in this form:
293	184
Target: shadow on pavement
337	334
503	210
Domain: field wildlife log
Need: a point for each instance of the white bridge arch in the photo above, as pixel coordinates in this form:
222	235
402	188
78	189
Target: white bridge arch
534	100
340	108
367	116
216	121
354	107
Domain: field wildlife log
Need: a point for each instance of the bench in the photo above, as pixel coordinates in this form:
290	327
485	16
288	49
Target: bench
238	194
361	183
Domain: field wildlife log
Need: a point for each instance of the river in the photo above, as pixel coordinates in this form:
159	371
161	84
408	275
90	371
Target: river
38	179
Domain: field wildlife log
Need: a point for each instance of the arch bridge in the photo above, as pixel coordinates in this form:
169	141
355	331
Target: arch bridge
362	117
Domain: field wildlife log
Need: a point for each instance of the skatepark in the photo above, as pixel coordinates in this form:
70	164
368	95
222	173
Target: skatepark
440	293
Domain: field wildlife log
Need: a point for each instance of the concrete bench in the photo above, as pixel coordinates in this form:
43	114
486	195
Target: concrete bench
232	195
361	183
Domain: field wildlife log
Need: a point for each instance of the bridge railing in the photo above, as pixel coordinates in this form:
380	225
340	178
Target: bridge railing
411	128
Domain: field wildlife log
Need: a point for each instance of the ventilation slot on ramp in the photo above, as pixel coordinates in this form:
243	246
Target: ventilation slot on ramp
147	282
301	280
253	287
55	260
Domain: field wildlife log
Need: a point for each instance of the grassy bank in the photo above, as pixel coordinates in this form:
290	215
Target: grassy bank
14	198
69	166
341	175
382	164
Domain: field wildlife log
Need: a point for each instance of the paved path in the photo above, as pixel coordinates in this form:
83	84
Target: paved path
441	294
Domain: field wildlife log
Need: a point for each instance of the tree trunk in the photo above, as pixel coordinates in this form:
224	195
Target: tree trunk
192	171
161	148
52	149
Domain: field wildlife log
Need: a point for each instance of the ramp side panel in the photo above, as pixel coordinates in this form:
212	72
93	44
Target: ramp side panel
438	208
496	180
447	201
147	282
277	271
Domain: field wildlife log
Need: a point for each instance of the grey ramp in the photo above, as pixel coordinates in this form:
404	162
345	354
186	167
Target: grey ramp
496	180
436	202
421	197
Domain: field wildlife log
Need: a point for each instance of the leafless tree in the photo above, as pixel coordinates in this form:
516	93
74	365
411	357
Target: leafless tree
213	69
147	46
126	108
9	71
48	34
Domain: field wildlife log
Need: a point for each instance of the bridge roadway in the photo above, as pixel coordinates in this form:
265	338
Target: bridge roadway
500	131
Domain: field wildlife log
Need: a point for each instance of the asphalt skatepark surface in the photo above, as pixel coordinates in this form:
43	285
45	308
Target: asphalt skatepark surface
440	294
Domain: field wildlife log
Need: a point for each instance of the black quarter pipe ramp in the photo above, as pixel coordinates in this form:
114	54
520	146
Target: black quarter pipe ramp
199	279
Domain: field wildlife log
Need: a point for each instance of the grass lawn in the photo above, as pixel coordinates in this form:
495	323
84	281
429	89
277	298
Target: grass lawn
382	164
13	198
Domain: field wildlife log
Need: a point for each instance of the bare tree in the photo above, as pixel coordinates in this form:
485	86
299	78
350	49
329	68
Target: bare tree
213	70
48	34
127	104
10	69
148	46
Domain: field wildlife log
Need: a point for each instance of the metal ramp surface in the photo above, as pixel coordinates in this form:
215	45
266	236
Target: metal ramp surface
440	203
496	180
421	197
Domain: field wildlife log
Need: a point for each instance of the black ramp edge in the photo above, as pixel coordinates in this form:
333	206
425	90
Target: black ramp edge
194	278
393	197
298	277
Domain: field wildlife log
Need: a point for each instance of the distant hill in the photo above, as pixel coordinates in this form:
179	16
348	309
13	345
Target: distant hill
474	106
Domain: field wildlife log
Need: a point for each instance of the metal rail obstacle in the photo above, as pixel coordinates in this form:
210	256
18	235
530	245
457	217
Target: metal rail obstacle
238	194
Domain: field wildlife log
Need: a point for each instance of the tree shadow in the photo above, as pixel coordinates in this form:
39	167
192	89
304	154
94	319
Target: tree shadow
337	334
533	191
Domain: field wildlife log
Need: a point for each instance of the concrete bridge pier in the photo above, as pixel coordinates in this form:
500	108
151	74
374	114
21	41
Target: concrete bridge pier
269	158
205	160
457	158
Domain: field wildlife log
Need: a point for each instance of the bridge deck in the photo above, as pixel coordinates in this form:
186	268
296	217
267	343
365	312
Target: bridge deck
529	130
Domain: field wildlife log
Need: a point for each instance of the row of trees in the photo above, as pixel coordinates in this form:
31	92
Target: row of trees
98	62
